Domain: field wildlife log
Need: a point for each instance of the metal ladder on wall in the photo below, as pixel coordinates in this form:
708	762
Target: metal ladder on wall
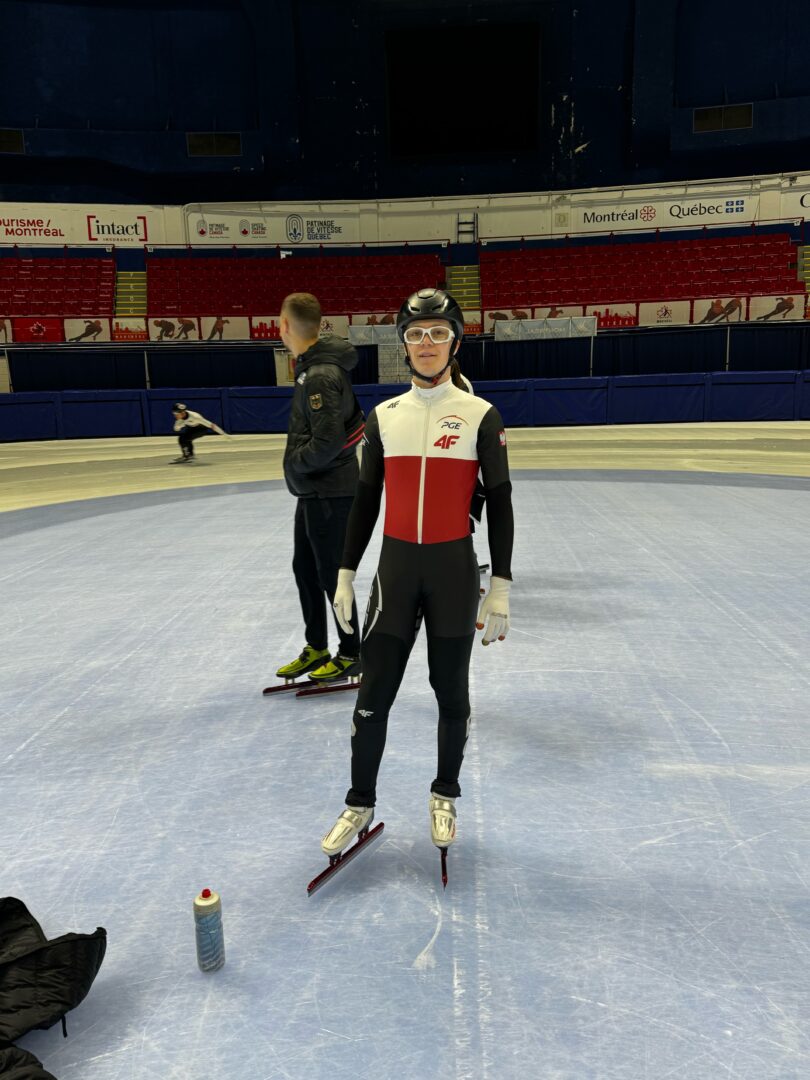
464	282
130	292
802	262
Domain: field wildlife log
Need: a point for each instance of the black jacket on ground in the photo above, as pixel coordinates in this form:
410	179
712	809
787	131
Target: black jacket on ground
326	423
40	980
18	1064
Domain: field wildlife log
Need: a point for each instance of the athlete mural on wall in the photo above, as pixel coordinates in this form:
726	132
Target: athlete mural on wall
165	328
558	311
784	306
491	317
216	328
186	326
720	310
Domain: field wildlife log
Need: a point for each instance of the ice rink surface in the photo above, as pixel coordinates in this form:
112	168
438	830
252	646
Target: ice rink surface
628	896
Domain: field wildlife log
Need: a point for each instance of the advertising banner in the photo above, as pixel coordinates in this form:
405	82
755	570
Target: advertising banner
225	328
249	225
265	328
129	328
776	308
335	324
503	315
660	211
473	322
557	312
386	318
174	328
664	313
721	309
81	225
35	329
614	316
88	330
794	201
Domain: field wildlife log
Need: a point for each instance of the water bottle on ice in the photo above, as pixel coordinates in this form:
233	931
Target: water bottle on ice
208	931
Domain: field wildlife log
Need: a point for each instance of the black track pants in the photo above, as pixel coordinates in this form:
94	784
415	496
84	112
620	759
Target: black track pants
187	437
437	582
320	529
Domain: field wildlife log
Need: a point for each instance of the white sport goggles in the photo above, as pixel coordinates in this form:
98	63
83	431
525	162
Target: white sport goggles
439	335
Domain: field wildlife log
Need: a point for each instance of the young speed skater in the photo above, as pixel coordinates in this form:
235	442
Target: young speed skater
189	426
425	449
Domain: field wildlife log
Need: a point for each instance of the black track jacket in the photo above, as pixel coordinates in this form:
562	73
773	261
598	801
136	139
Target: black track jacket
326	423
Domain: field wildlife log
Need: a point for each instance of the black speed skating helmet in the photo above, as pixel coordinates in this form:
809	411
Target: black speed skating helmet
179	407
430	304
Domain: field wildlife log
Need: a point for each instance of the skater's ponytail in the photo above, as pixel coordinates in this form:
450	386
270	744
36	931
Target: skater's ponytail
455	375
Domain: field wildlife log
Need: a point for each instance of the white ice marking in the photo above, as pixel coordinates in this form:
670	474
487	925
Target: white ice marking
426	959
700	716
761	773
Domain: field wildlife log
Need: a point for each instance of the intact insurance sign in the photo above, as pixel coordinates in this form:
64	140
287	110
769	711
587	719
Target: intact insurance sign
662	212
117	228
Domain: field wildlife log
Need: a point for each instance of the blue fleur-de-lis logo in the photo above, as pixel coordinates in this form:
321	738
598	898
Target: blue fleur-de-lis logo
295	228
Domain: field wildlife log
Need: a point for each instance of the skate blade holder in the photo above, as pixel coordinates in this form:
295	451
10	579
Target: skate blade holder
365	839
444	866
283	687
312	688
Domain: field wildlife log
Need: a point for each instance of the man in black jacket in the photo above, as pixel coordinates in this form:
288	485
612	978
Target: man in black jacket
321	470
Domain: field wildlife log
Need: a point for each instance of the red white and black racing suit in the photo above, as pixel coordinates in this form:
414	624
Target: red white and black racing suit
426	448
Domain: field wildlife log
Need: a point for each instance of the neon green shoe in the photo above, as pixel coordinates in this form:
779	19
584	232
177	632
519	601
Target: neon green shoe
337	669
310	658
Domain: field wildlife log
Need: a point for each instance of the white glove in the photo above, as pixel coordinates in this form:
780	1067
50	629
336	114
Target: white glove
344	599
494	611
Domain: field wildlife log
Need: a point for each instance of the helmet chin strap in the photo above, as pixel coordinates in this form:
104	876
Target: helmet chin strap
432	379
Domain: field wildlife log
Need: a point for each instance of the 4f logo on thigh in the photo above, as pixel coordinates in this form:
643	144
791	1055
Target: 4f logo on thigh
446	441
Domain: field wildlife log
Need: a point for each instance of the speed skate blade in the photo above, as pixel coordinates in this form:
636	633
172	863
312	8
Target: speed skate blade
283	688
326	875
328	688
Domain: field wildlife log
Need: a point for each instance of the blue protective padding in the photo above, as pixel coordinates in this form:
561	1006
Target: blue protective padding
728	396
511	399
803	396
254	411
758	395
26	417
102	415
658	399
569	402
